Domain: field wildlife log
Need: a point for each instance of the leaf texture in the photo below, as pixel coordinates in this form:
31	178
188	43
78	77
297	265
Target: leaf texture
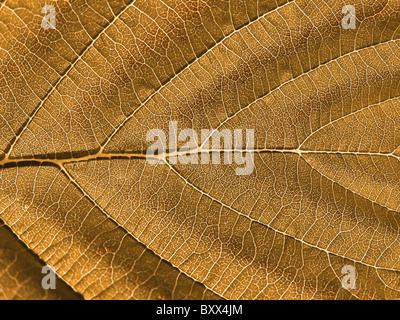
77	192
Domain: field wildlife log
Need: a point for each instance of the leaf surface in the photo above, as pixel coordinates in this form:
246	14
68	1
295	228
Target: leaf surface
77	102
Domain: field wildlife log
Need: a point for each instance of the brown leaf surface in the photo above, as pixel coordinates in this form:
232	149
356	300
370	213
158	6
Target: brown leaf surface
76	104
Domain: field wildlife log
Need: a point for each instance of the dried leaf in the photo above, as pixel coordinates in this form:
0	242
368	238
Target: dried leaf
77	102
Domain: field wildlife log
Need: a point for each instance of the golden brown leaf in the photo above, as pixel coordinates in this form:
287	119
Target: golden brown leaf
76	103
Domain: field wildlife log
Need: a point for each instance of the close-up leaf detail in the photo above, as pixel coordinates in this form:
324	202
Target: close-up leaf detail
76	190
